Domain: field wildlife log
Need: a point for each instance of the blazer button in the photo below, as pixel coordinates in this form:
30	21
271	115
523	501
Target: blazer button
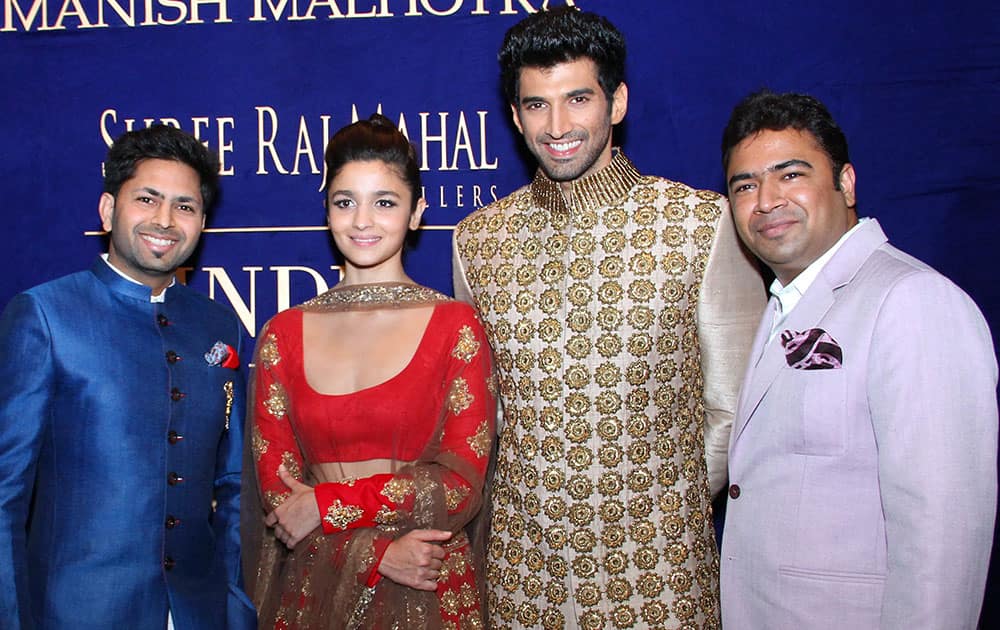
168	563
174	437
176	394
734	491
174	479
162	320
173	357
172	522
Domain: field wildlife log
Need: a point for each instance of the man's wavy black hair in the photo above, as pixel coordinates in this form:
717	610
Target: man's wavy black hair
561	35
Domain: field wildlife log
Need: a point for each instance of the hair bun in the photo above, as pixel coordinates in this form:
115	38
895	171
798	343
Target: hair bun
378	120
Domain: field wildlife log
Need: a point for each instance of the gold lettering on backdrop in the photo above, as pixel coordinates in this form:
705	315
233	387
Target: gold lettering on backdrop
73	14
127	17
223	145
283	282
427	6
61	15
218	276
460	139
303	146
262	143
441	196
246	309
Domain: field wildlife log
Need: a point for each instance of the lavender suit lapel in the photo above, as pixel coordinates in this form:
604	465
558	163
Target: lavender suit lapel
809	311
808	314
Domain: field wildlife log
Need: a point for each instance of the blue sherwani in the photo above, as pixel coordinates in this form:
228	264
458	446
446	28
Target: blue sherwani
116	435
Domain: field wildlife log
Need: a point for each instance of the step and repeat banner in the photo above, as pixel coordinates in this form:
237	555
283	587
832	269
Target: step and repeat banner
265	82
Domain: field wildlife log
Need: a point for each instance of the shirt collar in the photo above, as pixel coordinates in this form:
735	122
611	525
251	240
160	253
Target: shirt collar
789	296
154	299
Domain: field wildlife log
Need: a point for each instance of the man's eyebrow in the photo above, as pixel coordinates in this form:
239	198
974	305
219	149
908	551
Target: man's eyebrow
739	177
580	92
787	163
780	166
152	191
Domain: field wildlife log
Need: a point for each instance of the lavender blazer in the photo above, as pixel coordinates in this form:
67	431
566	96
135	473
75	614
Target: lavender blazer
864	478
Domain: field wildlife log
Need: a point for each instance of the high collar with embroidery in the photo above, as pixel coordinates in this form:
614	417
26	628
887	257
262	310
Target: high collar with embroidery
598	190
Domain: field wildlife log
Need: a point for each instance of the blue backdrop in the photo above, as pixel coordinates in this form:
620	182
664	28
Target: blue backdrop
265	82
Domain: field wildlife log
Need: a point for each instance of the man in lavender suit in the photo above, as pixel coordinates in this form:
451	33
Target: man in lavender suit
862	460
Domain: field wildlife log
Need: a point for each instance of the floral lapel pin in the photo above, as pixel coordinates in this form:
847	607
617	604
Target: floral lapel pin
223	355
812	349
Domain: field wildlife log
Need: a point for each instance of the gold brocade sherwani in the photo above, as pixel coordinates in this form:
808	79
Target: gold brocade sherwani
604	314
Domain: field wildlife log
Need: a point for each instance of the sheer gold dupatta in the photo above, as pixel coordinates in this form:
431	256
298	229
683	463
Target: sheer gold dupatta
323	582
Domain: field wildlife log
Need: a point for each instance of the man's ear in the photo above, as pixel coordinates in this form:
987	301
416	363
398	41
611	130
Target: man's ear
106	208
516	115
619	103
847	181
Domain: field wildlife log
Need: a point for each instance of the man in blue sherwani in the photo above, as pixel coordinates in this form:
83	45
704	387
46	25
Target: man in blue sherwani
121	408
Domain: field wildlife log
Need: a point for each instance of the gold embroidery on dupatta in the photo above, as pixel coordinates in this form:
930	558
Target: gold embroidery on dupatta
453	497
480	441
258	443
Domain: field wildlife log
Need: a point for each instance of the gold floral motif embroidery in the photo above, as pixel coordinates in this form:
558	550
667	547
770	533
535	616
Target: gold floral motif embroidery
459	398
291	465
480	441
449	602
453	497
467	595
268	354
459	563
397	489
467	346
258	443
339	516
604	337
386	516
277	400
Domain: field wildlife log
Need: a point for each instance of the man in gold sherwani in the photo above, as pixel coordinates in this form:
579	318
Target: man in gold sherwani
621	309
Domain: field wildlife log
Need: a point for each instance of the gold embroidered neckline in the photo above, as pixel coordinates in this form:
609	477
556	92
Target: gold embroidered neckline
595	191
375	295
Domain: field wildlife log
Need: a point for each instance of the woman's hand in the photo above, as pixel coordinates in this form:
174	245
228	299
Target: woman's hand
415	559
298	515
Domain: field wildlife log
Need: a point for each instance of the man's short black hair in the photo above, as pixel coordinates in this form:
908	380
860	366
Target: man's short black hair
161	142
765	110
561	35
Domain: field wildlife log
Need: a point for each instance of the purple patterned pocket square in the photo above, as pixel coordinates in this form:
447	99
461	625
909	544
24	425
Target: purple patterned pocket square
812	349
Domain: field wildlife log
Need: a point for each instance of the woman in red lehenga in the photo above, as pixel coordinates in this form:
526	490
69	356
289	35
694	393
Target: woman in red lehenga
372	424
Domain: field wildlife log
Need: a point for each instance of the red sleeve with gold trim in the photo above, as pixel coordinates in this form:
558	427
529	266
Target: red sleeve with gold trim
273	441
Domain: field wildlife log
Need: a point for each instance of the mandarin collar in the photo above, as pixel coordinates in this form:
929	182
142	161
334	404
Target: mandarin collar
118	284
597	190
